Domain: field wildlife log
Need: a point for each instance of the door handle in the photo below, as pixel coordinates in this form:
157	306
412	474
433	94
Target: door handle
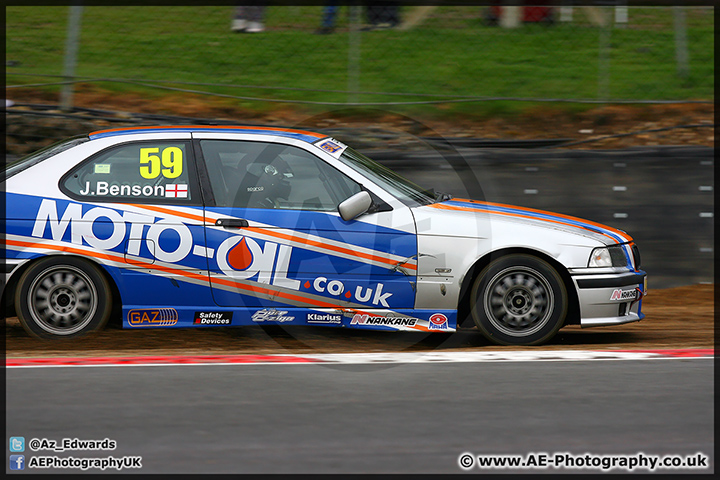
231	222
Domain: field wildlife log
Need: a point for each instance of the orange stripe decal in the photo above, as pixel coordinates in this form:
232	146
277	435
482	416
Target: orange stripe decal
209	127
545	212
112	258
284	236
169	211
257	289
334	248
517	215
221	281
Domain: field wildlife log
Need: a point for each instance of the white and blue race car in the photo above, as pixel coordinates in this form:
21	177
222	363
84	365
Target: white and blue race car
198	226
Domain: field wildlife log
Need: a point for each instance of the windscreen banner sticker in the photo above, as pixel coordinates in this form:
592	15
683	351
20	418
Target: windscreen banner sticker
332	146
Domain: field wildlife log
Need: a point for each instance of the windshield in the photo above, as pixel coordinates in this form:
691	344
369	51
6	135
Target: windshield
47	152
401	188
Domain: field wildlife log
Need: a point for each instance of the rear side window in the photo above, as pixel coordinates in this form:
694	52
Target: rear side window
47	152
155	172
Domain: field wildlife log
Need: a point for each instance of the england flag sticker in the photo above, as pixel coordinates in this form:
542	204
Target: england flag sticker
176	190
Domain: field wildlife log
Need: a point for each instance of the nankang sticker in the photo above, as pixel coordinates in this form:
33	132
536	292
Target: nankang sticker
153	317
324	318
271	315
620	295
363	319
438	321
213	318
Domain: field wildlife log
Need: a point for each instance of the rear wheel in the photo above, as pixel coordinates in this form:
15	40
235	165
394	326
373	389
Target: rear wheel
62	298
519	300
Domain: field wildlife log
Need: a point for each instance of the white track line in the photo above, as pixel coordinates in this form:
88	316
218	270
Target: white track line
398	358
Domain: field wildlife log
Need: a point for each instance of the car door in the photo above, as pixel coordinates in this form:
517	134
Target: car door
139	206
277	240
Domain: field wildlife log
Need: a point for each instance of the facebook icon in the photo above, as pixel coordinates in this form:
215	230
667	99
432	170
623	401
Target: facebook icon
17	462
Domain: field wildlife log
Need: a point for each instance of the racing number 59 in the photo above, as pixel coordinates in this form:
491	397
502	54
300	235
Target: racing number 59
172	161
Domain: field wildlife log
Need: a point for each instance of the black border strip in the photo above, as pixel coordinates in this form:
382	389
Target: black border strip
620	281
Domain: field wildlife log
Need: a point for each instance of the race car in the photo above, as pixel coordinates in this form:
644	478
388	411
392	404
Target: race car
202	226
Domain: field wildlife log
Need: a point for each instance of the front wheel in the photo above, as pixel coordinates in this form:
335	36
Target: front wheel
62	298
519	300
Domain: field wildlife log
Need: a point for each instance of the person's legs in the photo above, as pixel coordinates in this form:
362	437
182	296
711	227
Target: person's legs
255	19
239	23
328	18
248	19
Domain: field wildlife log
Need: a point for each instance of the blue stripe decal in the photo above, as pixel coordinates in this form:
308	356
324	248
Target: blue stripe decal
279	133
540	216
324	225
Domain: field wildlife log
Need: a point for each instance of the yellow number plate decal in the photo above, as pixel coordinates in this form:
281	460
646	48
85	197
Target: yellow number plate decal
151	165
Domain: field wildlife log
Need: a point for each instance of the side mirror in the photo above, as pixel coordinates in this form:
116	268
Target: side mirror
355	206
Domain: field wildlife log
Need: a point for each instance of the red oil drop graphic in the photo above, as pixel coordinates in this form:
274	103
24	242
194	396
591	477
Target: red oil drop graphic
347	294
307	284
240	256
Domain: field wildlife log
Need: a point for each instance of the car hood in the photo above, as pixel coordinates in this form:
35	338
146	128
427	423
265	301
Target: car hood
472	218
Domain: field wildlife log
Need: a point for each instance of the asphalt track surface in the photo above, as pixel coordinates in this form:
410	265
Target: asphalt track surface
378	418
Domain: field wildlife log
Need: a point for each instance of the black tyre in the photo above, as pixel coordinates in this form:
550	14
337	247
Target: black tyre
62	297
519	300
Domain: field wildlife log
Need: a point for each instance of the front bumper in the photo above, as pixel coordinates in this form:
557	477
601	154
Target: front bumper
610	299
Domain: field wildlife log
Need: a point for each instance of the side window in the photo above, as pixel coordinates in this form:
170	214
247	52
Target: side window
154	171
267	175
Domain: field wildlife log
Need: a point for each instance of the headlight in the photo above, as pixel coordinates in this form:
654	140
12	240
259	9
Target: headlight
600	257
613	256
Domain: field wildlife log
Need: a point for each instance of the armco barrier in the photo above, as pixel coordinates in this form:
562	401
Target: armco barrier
662	196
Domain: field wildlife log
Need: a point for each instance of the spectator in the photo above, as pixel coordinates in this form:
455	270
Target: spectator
379	17
248	19
328	18
383	16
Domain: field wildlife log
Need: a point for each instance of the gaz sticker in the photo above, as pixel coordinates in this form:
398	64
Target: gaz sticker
153	317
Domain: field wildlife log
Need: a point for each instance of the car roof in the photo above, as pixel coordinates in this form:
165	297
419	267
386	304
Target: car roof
303	135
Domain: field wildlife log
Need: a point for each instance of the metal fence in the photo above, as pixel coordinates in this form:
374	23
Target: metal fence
416	56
